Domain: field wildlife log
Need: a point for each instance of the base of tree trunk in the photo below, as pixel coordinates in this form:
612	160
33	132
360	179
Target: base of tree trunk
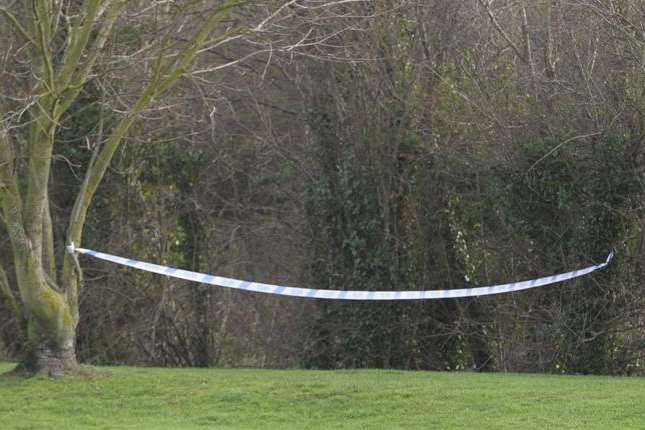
47	361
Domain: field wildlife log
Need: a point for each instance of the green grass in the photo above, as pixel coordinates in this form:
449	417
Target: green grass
144	398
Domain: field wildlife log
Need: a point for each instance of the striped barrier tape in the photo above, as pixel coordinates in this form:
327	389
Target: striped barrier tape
340	294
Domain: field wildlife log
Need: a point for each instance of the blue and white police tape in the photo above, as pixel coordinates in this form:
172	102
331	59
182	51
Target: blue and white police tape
340	294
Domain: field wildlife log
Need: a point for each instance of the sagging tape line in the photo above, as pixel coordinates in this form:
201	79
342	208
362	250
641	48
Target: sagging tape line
340	294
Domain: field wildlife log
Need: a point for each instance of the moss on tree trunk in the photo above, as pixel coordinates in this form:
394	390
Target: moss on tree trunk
51	325
47	357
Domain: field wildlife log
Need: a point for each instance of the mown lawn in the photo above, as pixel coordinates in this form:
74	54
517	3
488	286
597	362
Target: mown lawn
144	398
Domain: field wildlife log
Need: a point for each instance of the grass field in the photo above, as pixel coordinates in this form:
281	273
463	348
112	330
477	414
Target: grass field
144	398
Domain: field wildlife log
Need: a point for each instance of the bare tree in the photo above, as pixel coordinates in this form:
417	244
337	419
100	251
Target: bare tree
59	44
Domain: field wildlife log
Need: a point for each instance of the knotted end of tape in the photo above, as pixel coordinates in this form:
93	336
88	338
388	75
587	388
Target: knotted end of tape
71	248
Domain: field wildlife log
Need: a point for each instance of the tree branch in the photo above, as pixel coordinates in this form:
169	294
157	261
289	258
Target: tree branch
528	51
10	196
6	292
179	64
501	31
164	76
16	24
80	35
49	261
75	82
40	11
549	61
163	79
41	143
36	293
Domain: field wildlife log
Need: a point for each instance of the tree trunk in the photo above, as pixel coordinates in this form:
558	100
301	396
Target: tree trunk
51	357
51	329
476	337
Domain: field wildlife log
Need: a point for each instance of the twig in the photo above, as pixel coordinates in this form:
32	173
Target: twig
558	146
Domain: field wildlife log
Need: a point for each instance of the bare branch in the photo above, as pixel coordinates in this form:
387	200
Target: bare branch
560	145
10	196
77	80
549	60
40	21
14	21
79	40
261	25
49	262
501	30
5	291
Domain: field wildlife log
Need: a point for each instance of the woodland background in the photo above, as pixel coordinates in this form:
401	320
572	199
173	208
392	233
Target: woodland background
391	144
